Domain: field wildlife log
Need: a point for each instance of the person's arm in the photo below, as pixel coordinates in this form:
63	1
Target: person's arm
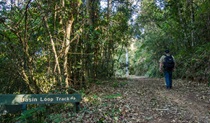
161	64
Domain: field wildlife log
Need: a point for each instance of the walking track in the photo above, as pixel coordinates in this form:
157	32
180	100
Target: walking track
145	100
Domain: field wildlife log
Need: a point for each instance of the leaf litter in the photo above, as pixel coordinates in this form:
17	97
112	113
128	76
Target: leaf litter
144	100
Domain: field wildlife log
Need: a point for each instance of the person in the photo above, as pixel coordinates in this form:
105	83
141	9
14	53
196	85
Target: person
167	65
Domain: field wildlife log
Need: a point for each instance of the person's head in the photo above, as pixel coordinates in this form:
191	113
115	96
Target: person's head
167	51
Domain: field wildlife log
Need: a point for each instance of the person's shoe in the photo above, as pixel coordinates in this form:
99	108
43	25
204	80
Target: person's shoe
168	88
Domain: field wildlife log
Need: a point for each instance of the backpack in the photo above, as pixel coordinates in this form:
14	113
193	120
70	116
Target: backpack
168	63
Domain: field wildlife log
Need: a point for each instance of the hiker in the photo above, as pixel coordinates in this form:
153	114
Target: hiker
167	65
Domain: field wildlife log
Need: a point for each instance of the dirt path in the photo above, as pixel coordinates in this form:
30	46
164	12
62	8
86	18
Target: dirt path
186	102
144	100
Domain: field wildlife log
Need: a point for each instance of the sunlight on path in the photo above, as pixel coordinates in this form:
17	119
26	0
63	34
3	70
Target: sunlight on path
136	77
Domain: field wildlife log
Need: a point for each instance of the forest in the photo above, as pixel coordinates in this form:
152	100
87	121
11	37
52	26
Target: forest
67	46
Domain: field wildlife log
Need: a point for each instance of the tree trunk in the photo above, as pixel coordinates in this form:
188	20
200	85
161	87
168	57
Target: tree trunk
182	24
57	64
67	46
192	23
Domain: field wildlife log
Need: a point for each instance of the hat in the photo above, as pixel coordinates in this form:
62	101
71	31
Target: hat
167	51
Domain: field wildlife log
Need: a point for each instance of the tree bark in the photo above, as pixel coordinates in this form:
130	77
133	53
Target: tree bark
67	46
57	64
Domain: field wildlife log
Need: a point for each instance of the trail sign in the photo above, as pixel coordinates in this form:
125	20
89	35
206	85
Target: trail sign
24	99
15	99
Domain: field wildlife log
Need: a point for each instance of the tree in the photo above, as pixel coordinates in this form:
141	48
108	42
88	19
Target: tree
174	25
62	44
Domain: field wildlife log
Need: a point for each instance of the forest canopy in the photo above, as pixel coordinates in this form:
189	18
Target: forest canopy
51	44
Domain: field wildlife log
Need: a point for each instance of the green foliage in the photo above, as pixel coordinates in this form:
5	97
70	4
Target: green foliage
118	84
34	40
178	27
112	96
32	115
56	118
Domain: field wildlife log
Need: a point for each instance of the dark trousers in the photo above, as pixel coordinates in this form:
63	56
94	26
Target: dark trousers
168	79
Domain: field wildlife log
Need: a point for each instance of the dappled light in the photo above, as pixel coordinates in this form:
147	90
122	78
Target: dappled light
99	61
